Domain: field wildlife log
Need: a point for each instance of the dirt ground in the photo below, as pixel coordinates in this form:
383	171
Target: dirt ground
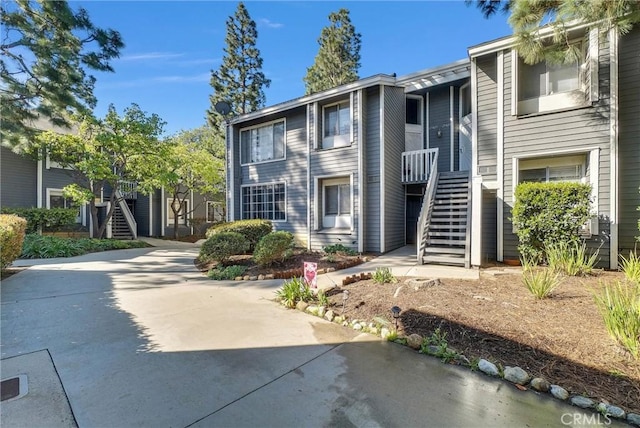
562	339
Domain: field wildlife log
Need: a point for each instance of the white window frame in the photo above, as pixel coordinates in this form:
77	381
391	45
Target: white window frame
212	204
263	125
244	186
341	140
591	154
562	100
182	218
340	221
81	218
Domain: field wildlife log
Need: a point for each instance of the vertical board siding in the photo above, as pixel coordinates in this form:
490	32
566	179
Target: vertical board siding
439	113
563	130
394	198
489	226
629	139
372	175
455	122
19	180
141	215
335	162
487	113
292	171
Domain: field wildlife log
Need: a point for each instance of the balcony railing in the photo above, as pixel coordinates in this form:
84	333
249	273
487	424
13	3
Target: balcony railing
417	165
129	189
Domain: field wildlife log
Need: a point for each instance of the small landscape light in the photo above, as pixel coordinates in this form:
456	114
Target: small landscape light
345	296
396	314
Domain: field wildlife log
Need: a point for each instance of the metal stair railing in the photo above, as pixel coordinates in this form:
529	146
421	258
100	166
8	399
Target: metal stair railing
427	205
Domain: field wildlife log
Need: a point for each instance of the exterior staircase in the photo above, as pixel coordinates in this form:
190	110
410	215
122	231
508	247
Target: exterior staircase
446	235
119	227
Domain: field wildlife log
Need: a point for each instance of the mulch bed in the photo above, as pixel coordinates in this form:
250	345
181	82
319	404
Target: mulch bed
292	266
562	339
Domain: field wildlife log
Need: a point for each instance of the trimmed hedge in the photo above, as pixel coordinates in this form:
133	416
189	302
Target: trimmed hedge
252	230
546	213
274	247
38	219
12	232
221	246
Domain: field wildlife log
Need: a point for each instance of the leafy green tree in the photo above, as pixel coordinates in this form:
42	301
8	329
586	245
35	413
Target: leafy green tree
104	153
46	51
338	58
191	164
239	81
527	16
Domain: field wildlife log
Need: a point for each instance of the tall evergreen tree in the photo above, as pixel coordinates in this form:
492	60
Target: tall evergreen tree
46	50
528	15
239	81
338	58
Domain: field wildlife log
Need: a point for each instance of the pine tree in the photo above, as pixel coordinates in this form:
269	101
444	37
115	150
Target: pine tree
338	58
239	81
46	51
527	16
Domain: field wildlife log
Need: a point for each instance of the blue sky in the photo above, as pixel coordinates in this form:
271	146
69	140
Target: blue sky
172	46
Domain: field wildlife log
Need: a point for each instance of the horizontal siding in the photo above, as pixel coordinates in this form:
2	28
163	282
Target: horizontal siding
394	199
18	179
292	171
372	172
629	139
487	114
335	162
582	128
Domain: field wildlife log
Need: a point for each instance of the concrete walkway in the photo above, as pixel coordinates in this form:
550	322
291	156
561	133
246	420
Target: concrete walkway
140	338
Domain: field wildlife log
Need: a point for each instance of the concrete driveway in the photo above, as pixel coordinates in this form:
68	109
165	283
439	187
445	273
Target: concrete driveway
140	338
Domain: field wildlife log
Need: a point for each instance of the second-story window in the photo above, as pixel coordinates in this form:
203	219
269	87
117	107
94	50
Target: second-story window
336	125
263	143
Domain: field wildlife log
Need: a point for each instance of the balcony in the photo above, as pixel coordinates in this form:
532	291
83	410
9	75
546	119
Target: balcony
129	189
417	165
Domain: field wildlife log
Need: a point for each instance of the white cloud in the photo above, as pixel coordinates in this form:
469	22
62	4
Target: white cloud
268	23
170	79
151	56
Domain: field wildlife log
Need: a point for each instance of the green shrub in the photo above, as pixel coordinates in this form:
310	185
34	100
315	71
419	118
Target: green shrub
339	248
540	282
544	213
631	267
619	305
12	230
44	247
274	247
384	276
220	246
570	258
230	272
294	291
252	230
38	219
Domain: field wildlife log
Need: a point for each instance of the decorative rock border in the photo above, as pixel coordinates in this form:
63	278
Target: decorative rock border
516	375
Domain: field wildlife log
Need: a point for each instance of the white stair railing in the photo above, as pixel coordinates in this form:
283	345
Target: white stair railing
427	204
417	165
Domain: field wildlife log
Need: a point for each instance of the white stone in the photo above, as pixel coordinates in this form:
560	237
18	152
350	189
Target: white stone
633	419
329	315
540	384
357	326
559	392
583	402
321	311
385	333
488	367
312	309
516	375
